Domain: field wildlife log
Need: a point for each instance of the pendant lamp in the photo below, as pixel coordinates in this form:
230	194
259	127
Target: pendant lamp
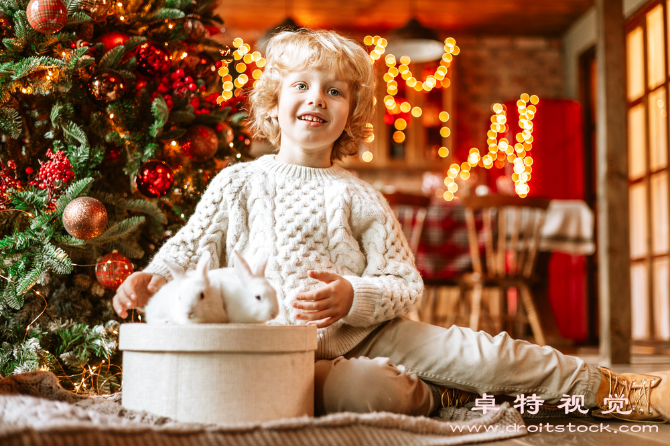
421	44
287	25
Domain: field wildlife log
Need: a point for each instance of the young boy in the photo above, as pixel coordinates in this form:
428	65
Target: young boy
339	261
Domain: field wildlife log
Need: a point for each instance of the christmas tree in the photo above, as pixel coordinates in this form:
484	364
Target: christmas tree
112	121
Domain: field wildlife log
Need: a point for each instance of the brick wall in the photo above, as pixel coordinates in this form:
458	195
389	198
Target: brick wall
495	69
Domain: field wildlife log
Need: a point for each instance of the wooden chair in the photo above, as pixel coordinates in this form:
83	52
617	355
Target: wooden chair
511	233
410	210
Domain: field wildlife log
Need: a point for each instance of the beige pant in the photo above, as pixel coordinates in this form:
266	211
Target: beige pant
366	379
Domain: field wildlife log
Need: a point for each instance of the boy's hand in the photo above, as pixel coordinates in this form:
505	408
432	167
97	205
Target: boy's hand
136	291
328	304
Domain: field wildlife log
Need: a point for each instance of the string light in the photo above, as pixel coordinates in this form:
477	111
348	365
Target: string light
400	67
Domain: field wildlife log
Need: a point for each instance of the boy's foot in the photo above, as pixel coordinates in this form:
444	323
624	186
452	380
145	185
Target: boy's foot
456	397
634	396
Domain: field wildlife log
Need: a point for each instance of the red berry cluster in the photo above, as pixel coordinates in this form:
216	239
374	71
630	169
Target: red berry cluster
178	85
8	181
54	173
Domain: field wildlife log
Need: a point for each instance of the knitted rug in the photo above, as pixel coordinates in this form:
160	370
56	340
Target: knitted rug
42	415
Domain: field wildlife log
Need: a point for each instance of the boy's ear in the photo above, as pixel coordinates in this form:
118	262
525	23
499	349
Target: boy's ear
274	113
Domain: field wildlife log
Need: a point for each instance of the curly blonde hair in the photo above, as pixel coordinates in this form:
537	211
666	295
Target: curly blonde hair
295	51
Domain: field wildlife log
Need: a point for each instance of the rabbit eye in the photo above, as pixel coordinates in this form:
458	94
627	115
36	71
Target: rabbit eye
202	296
258	297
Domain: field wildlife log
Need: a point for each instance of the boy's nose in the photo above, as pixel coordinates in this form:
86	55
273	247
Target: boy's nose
317	100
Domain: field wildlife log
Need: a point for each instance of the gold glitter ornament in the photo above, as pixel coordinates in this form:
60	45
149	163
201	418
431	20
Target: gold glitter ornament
85	218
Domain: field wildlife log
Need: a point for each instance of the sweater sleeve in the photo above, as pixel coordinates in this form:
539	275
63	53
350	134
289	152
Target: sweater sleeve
390	284
205	230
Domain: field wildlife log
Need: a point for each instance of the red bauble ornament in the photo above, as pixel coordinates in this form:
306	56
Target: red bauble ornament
85	218
112	269
47	16
153	59
106	86
200	143
110	40
155	178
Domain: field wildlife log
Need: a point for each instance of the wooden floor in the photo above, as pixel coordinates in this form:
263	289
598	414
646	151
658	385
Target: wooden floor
617	435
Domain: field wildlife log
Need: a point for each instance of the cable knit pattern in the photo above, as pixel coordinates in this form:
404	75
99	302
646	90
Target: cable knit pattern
307	219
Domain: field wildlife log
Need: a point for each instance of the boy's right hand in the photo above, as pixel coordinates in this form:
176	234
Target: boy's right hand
136	291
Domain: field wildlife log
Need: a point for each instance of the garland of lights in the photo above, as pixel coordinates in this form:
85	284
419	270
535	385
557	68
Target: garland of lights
500	150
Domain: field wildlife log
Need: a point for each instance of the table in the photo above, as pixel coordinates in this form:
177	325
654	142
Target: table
568	234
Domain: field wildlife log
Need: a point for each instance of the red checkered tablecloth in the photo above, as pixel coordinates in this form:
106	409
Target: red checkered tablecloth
443	251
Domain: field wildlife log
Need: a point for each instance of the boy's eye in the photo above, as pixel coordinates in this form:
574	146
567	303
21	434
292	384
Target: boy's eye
301	87
334	92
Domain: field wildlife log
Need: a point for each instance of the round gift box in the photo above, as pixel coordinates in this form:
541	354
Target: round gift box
219	373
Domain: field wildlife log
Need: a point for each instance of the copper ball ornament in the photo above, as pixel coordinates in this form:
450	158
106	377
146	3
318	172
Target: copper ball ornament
226	133
106	86
155	178
112	270
85	218
200	143
195	29
46	16
153	59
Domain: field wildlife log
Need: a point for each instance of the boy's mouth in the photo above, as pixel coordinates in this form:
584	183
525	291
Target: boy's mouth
312	118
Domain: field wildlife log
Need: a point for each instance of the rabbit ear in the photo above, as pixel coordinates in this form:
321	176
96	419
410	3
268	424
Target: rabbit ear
261	263
242	267
176	270
203	263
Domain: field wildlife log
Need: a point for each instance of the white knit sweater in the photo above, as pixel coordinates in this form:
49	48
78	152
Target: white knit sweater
307	218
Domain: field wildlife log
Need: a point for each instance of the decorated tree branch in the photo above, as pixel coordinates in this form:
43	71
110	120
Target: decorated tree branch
110	129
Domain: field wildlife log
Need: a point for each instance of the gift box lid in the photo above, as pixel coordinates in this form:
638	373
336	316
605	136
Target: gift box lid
217	338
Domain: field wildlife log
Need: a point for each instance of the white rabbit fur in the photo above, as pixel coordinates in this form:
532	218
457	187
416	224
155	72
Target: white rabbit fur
237	294
188	299
248	295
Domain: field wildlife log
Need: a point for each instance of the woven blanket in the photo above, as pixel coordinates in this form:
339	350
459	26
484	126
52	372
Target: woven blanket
42	416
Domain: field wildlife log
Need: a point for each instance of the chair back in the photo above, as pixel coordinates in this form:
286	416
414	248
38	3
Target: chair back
511	234
410	210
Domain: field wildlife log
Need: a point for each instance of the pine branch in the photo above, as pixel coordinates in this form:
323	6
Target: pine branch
30	279
128	248
74	134
32	64
70	194
29	200
77	18
60	112
118	230
143	206
75	58
56	259
10	298
162	14
161	113
177	4
72	6
68	240
10	122
111	57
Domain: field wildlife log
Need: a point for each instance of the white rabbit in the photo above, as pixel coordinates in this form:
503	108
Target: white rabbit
248	295
188	299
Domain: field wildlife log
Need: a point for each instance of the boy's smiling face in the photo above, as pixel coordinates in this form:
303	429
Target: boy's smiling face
312	112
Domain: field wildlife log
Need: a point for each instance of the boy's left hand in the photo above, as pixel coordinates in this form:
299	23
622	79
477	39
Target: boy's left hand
328	304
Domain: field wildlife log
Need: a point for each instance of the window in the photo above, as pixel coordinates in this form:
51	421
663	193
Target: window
647	51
